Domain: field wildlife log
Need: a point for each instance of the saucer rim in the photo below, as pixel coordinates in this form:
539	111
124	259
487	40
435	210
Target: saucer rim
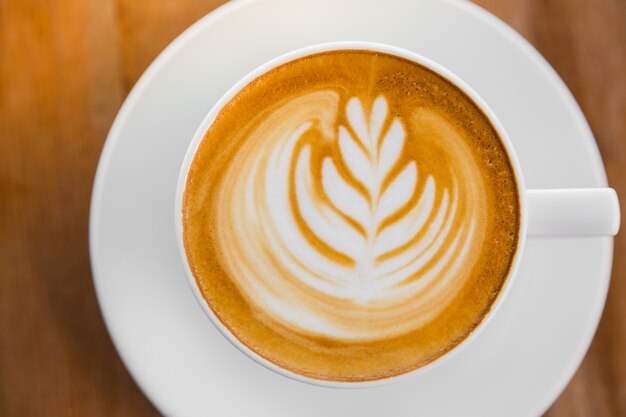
223	11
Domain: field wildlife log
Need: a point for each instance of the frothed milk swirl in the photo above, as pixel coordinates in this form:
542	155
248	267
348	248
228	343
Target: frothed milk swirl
354	242
350	215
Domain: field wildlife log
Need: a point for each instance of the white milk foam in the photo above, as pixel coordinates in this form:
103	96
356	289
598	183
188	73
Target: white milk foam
315	248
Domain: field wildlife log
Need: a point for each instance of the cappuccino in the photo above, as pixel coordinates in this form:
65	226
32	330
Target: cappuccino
350	215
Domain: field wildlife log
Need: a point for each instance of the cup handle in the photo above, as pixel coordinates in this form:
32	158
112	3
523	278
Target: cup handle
573	212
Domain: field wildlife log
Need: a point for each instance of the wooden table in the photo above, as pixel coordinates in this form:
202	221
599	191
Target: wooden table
66	66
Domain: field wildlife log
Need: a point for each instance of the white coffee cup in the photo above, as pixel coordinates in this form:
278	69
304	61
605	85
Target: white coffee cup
545	212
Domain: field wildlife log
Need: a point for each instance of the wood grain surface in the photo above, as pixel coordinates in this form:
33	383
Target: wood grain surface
65	68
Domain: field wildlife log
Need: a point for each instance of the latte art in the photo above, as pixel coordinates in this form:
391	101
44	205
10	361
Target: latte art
350	216
353	243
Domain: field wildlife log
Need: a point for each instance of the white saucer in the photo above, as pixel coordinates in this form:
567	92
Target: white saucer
517	366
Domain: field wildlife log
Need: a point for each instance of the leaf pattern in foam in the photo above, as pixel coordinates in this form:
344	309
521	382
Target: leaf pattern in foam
321	219
401	232
397	194
345	198
378	116
359	164
370	155
371	170
391	148
356	117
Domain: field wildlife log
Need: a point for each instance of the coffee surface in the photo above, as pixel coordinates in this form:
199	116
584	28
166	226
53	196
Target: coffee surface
350	215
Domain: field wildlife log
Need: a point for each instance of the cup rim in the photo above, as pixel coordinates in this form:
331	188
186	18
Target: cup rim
335	46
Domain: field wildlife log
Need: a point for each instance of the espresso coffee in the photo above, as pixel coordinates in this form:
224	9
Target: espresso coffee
351	215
